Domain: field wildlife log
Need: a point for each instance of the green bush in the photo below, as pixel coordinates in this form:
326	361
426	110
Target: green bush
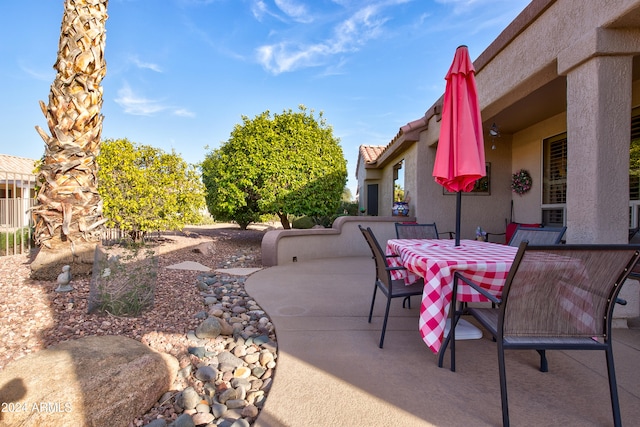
123	280
144	189
345	209
18	239
282	164
348	208
304	222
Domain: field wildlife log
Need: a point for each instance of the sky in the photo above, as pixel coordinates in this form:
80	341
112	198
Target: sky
182	73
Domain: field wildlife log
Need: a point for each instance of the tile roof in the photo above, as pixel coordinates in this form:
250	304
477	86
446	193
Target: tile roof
17	165
407	134
370	153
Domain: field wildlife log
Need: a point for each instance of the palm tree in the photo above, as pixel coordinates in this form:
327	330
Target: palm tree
68	215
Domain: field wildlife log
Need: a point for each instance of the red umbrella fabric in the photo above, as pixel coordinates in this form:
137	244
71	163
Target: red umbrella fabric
459	159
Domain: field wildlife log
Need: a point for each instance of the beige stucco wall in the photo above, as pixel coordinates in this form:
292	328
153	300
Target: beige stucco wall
527	154
385	194
344	239
486	211
529	60
410	169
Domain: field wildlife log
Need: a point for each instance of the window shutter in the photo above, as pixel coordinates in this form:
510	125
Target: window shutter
634	159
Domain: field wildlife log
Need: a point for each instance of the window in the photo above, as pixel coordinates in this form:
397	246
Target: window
398	182
554	180
554	185
634	170
634	159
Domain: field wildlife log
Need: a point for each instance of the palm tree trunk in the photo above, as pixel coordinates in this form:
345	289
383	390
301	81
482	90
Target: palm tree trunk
68	215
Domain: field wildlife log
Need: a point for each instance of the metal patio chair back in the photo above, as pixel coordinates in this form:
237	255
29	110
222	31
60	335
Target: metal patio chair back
556	297
389	287
537	235
416	231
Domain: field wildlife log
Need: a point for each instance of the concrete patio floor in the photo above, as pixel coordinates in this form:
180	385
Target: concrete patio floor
332	373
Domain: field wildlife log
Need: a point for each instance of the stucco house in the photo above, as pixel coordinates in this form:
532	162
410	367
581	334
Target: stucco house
562	85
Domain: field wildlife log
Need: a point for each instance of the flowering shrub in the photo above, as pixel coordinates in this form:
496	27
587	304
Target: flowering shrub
521	182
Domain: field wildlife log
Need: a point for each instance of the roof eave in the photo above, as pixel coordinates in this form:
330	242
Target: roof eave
407	135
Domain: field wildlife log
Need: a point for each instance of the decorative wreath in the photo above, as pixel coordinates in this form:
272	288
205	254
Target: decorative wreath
521	182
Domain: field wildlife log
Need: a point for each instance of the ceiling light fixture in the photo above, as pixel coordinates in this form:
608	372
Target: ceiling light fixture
495	133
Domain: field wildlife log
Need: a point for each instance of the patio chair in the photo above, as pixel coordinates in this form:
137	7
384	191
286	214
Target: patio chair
451	234
507	234
416	231
389	287
405	230
537	235
556	297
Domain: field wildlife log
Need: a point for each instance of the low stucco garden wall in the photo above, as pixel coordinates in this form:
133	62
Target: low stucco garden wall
343	239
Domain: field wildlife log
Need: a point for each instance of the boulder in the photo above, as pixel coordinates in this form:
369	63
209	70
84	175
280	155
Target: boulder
91	381
48	262
209	328
204	248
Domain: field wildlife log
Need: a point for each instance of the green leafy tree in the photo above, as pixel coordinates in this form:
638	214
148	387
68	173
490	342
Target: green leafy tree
346	195
145	189
634	157
398	193
285	164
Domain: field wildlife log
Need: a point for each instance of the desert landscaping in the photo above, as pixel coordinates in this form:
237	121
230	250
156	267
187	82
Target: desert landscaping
33	316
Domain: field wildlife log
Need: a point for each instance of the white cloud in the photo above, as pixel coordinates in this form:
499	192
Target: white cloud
282	57
297	11
363	25
196	2
259	9
145	65
183	112
287	10
137	105
45	76
458	4
468	6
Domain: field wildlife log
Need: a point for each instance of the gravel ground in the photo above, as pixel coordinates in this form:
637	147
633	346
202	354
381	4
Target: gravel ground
33	316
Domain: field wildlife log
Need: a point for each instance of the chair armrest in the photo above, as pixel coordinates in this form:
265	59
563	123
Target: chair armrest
475	286
489	235
452	234
399	267
495	234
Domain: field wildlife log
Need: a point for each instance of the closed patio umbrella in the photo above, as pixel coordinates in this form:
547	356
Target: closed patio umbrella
460	159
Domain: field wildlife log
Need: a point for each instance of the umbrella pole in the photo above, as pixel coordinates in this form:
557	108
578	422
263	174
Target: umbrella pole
458	212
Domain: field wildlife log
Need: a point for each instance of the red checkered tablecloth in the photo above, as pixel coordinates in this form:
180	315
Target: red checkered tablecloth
487	264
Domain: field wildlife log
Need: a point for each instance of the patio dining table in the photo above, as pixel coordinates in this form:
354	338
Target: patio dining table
436	261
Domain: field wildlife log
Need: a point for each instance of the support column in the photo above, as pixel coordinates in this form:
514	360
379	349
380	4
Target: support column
598	135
